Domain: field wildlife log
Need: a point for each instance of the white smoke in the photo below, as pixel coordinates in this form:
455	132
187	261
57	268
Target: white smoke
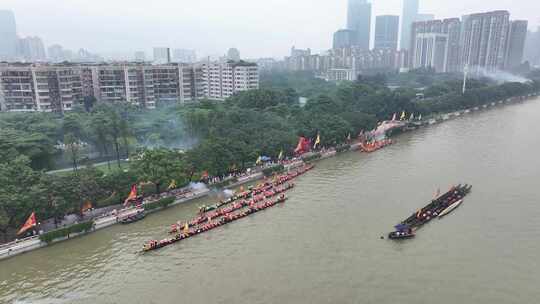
498	75
228	193
198	186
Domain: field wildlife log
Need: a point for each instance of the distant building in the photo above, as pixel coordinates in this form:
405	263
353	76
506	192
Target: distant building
532	47
140	56
39	88
435	44
483	40
269	64
162	55
341	75
87	57
59	87
299	52
184	56
424	17
55	53
233	54
386	32
516	43
408	17
344	39
8	35
225	79
359	20
31	49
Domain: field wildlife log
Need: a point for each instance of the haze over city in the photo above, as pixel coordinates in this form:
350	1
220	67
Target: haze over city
257	28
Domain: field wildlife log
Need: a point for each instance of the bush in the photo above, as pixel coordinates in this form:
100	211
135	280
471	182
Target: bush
274	169
311	157
114	199
162	203
343	148
50	236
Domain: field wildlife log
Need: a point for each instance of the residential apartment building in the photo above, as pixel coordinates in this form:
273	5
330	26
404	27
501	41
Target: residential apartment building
484	38
224	79
39	88
436	44
59	87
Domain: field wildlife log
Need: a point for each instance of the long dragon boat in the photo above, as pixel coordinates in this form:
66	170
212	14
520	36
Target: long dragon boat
370	147
440	204
266	185
225	219
208	216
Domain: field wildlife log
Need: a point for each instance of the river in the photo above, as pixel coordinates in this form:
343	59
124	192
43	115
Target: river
323	245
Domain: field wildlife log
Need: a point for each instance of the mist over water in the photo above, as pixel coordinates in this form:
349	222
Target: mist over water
322	246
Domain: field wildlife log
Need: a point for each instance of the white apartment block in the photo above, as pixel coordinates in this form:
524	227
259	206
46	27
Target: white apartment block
224	79
59	87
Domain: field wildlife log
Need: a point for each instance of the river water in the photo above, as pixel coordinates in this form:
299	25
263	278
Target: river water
323	245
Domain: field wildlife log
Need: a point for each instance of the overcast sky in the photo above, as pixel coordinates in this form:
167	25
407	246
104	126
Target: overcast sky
258	28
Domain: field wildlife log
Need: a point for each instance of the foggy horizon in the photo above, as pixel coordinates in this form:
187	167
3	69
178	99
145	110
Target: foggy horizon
257	29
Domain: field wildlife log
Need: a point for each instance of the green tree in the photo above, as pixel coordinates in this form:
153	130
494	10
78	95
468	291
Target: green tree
160	166
21	194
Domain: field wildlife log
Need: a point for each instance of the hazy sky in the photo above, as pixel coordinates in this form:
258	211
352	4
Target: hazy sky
258	28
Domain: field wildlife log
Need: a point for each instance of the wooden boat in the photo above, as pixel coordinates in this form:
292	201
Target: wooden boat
133	218
450	208
218	222
439	206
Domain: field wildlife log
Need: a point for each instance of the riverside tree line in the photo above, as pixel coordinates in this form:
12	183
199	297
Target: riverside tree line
214	137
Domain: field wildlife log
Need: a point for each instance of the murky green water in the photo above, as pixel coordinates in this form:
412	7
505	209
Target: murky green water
323	246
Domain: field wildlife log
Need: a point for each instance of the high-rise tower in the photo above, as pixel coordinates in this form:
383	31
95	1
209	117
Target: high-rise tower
359	20
8	35
408	17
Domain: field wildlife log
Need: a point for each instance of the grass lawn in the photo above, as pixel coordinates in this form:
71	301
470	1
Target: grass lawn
102	167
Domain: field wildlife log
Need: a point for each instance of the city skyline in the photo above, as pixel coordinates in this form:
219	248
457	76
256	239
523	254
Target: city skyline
140	27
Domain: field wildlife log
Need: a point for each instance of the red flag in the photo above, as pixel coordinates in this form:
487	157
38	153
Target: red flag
30	223
132	195
300	145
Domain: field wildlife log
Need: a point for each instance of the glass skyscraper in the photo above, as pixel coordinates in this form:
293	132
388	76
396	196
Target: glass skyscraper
359	20
409	15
